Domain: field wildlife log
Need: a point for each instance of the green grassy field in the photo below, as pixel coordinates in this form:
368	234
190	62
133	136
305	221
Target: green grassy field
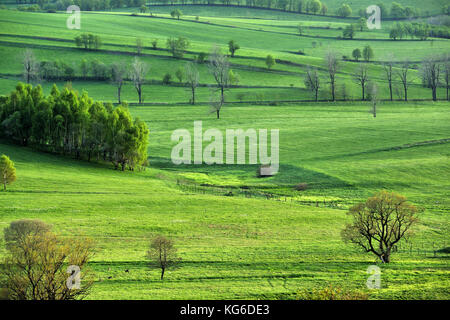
237	247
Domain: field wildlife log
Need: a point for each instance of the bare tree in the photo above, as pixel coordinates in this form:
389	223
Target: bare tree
162	254
373	88
431	74
138	46
219	68
137	75
192	79
312	81
380	223
361	77
388	69
403	75
446	70
118	74
332	64
30	66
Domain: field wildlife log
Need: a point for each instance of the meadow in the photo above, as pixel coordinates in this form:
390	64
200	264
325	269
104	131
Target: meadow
243	246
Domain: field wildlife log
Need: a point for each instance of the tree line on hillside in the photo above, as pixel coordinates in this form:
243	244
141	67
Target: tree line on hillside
396	10
68	123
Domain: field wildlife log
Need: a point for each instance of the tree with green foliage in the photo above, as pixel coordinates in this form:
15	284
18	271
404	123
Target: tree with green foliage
179	74
300	29
356	54
233	47
270	61
362	23
368	53
349	32
379	223
177	46
344	11
176	13
7	171
314	6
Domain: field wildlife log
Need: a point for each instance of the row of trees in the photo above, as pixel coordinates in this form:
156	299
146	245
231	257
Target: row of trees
418	30
435	72
69	123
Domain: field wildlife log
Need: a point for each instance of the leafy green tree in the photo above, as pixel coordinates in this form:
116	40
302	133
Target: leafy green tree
177	46
356	54
368	53
270	61
233	47
362	23
344	11
315	6
176	13
349	31
179	74
7	171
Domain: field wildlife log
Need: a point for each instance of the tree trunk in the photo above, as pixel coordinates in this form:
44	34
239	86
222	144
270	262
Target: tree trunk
434	94
162	273
406	93
390	89
193	95
4	185
363	96
218	114
332	91
317	91
118	94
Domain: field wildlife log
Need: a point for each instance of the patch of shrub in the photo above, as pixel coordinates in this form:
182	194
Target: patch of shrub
301	186
332	293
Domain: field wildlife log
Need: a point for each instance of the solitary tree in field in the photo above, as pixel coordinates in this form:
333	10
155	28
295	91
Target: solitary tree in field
361	77
118	74
431	73
192	79
42	266
312	81
344	11
403	75
368	53
179	74
176	13
30	66
233	47
380	223
219	68
349	32
388	66
332	64
362	23
7	171
137	75
356	54
177	46
162	254
138	46
270	61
